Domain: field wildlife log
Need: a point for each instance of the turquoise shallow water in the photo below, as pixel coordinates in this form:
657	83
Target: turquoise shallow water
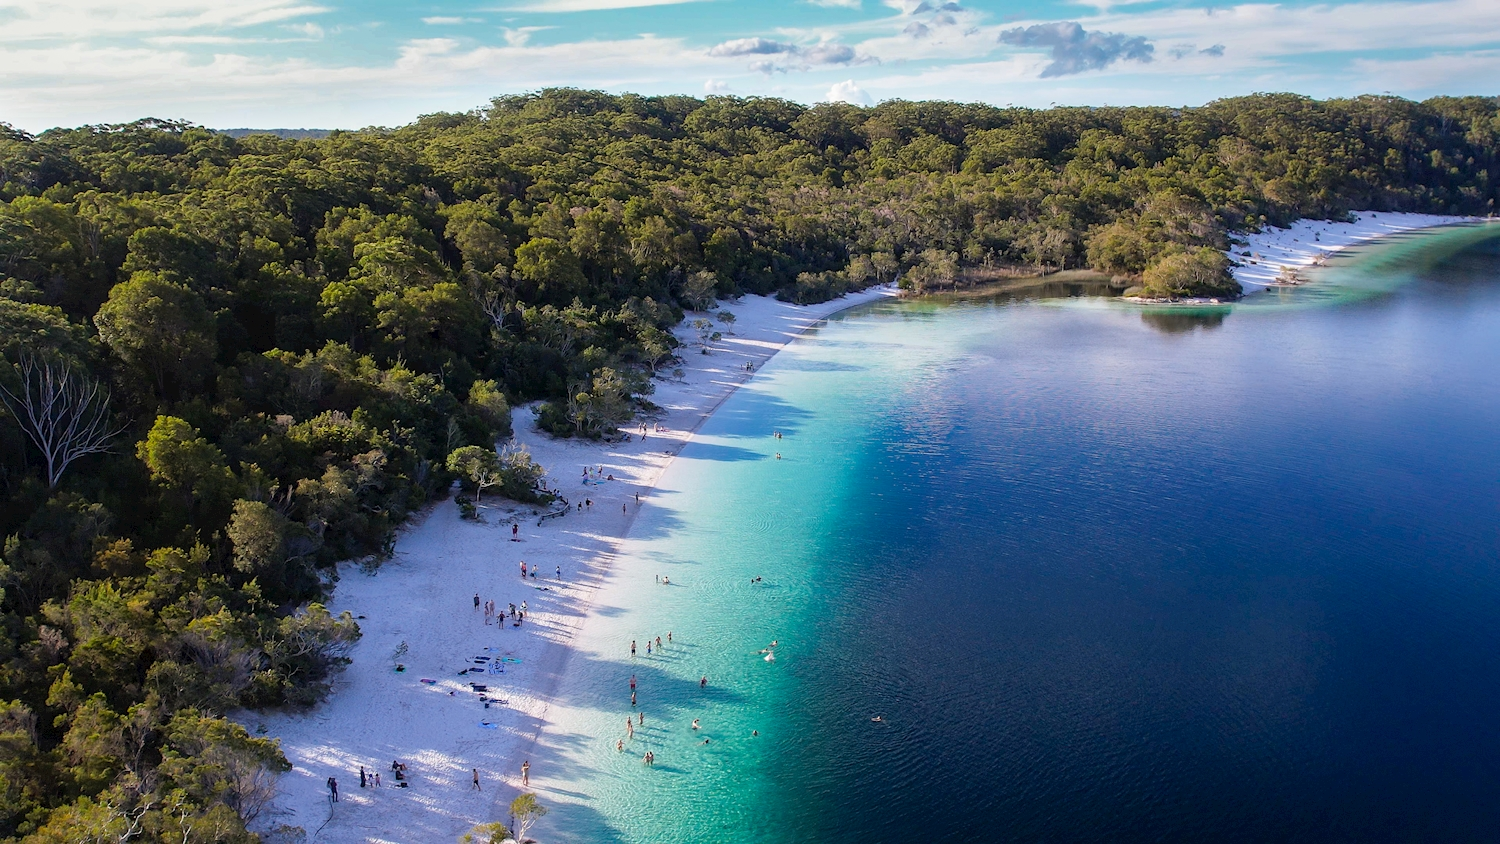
1105	574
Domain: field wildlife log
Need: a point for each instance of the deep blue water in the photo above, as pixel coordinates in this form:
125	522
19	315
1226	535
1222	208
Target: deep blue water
1105	575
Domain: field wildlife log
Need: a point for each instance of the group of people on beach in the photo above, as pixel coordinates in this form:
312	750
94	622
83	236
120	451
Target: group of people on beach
492	611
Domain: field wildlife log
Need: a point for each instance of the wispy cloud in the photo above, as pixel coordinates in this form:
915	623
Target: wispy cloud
38	20
521	36
587	5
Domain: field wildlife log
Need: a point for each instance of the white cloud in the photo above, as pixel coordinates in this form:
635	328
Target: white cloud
38	20
307	30
799	57
847	92
588	5
843	4
716	86
521	36
1455	73
448	20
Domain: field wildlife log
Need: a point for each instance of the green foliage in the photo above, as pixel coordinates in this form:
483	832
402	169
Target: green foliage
1201	272
301	333
477	466
487	402
526	810
162	330
467	509
486	833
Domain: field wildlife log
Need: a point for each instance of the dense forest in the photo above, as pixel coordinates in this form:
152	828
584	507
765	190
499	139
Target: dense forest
231	362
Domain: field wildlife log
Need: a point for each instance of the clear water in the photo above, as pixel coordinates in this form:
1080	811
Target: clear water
1105	575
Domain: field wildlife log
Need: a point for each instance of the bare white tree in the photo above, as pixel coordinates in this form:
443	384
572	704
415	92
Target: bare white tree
66	414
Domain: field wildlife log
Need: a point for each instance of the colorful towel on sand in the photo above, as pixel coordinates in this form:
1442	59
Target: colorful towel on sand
427	681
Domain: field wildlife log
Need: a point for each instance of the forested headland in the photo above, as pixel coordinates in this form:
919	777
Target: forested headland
231	362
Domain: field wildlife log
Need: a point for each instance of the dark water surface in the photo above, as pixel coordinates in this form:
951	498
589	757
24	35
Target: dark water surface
1237	583
1105	575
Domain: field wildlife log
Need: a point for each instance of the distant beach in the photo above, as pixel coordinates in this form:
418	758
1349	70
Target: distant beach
1307	243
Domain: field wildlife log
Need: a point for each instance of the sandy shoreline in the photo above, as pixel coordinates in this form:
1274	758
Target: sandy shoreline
430	716
1308	242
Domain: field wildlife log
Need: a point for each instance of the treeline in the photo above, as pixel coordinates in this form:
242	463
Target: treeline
231	362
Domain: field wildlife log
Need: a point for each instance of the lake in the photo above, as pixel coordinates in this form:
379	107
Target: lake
1104	573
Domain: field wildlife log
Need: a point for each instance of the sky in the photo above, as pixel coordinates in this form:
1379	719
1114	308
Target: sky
356	63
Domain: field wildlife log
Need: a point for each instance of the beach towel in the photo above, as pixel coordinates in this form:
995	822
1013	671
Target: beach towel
427	681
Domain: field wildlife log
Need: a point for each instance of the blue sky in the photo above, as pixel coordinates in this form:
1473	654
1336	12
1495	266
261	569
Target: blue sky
342	63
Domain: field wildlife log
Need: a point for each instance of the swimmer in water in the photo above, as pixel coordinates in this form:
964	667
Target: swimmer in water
877	719
695	723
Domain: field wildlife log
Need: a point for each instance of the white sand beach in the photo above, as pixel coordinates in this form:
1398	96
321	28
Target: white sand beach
431	717
1309	241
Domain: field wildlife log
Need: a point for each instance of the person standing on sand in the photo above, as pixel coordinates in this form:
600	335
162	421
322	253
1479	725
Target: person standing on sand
333	790
523	569
377	779
526	773
559	572
476	781
476	600
361	776
515	532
